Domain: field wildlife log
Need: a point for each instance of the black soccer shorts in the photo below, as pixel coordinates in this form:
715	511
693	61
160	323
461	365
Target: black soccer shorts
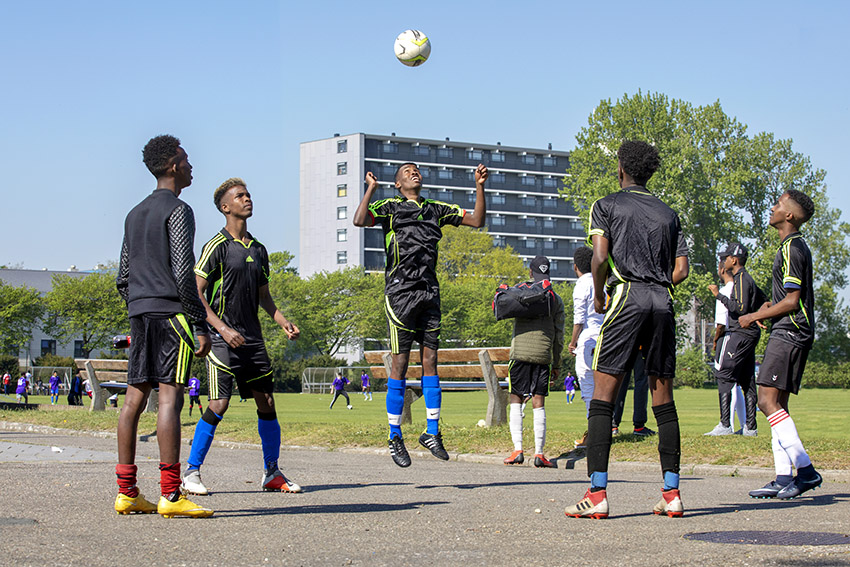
736	358
528	378
248	365
639	316
783	366
413	315
161	351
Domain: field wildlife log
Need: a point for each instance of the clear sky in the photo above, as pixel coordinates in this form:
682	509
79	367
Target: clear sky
86	84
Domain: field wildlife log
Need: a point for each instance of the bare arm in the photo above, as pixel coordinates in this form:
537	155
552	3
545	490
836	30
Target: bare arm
232	337
267	303
599	270
479	213
361	215
681	269
719	331
574	339
767	311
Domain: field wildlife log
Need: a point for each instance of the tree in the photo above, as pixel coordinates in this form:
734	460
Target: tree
87	308
722	182
20	310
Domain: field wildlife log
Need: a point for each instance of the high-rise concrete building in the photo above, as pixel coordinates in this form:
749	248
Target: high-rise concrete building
523	207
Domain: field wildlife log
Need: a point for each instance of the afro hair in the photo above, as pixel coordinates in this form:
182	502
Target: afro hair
639	160
158	153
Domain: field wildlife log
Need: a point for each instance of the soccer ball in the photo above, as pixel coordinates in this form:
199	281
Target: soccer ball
412	47
482	423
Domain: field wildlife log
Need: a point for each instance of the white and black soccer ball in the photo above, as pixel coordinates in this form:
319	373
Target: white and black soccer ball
412	47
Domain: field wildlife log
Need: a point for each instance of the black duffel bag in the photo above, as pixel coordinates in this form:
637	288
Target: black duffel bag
528	300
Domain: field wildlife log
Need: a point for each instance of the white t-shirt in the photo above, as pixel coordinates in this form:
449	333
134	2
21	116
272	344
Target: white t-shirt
583	311
721	314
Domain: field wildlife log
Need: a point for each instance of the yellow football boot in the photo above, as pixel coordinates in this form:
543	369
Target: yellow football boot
183	507
138	505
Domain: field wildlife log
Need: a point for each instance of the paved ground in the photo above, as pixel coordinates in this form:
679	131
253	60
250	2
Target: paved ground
359	509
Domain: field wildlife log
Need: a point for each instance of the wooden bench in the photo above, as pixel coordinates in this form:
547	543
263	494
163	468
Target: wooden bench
107	377
460	369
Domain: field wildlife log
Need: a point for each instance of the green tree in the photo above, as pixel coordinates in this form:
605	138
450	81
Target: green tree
88	309
722	182
20	310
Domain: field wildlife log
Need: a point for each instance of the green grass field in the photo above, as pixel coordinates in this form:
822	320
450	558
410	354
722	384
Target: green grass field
820	415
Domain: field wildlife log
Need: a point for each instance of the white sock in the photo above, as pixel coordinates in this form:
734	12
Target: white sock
783	428
781	462
539	430
516	426
738	407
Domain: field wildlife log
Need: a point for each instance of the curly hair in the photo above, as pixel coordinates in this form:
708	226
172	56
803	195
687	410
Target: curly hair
639	160
804	201
158	153
582	257
218	195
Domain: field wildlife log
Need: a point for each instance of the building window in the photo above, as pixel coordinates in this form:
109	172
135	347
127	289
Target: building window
78	349
549	223
342	190
342	213
475	155
531	243
529	159
425	171
576	225
498	241
342	257
444	195
497	157
550	203
445	152
527	180
530	222
550	182
497	220
341	235
445	174
550	161
553	266
48	346
421	151
390	169
497	177
390	148
342	146
497	199
528	200
548	244
342	168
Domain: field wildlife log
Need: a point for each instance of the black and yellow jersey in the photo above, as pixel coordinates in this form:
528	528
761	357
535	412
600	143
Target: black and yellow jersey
746	298
644	236
792	269
412	230
235	272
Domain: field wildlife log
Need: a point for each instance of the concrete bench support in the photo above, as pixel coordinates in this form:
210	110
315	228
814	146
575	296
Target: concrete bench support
497	404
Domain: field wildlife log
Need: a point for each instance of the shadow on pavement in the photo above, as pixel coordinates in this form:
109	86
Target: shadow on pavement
768	504
321	487
368	507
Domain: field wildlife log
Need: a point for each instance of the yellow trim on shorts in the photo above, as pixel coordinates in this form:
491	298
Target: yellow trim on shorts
617	304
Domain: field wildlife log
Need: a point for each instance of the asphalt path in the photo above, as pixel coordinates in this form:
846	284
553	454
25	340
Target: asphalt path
358	508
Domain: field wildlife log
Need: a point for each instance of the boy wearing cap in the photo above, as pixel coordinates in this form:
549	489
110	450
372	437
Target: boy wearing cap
412	229
736	354
534	362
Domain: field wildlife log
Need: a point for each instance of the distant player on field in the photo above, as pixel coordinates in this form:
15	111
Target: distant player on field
791	336
155	279
232	276
639	248
366	386
412	229
194	394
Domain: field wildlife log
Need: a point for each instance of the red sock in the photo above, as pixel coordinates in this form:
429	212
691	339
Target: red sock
127	480
169	478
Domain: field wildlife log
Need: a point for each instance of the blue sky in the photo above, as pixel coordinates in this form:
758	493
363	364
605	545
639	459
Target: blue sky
86	84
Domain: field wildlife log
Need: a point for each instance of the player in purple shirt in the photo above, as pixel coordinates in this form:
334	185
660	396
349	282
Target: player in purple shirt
366	386
21	391
339	390
54	388
195	394
570	387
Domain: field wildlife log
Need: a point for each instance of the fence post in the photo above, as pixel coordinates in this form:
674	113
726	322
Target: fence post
497	404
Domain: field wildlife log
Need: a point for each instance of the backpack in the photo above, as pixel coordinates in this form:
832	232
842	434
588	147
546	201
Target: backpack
528	300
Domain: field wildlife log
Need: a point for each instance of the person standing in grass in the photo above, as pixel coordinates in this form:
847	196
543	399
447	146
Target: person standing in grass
339	384
54	388
232	276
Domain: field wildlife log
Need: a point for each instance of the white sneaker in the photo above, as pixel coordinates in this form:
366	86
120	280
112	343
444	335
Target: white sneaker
193	484
720	430
276	482
750	432
350	407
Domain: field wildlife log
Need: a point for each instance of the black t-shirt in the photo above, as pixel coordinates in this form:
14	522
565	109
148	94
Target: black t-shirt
747	297
235	272
644	236
411	232
792	269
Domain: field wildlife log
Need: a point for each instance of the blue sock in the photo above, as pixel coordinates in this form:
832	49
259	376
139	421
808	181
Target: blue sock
671	480
204	433
395	405
598	480
433	395
269	430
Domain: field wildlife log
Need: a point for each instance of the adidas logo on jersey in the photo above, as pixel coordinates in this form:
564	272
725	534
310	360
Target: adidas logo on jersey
249	259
